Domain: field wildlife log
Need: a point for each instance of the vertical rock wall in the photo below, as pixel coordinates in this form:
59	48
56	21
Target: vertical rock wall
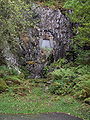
9	57
52	31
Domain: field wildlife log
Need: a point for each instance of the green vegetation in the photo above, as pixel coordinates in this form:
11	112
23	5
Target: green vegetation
72	80
3	85
32	96
74	77
13	21
8	77
55	4
67	82
11	18
80	16
37	101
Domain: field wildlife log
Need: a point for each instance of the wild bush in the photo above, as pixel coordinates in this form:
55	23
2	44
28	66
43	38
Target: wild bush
55	65
83	57
3	85
63	81
82	89
8	78
72	80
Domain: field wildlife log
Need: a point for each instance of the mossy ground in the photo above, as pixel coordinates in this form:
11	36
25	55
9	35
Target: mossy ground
38	101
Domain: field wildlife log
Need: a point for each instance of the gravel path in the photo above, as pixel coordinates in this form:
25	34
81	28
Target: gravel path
48	116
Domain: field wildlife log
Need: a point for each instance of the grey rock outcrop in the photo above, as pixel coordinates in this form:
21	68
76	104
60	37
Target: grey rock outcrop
47	41
9	57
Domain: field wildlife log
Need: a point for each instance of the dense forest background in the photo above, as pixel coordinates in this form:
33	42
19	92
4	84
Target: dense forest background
67	76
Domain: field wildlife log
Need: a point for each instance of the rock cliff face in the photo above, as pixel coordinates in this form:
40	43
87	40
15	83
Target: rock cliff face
42	44
47	41
8	57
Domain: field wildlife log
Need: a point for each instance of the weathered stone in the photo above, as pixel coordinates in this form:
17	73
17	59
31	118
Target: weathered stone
50	37
9	57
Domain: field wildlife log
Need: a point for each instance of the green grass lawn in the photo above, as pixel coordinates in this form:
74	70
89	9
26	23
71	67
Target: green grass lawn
37	101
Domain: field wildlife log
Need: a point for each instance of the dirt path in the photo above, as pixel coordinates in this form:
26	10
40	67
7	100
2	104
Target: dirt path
48	116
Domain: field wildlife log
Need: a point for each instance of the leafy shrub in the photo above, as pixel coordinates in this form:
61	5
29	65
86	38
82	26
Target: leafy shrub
62	73
56	65
72	80
9	78
83	69
59	63
5	71
63	81
3	85
82	89
83	57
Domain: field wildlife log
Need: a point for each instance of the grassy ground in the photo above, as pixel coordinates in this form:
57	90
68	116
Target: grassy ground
37	101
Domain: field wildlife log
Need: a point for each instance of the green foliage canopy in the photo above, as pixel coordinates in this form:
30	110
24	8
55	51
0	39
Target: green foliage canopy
81	15
14	18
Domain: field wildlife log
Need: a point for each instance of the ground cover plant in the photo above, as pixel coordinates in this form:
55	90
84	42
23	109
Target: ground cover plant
37	101
31	96
72	80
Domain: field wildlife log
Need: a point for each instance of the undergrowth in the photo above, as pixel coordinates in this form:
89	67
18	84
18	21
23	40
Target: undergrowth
20	95
73	80
37	101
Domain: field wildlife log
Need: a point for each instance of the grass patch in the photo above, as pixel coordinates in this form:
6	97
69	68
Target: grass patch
37	101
